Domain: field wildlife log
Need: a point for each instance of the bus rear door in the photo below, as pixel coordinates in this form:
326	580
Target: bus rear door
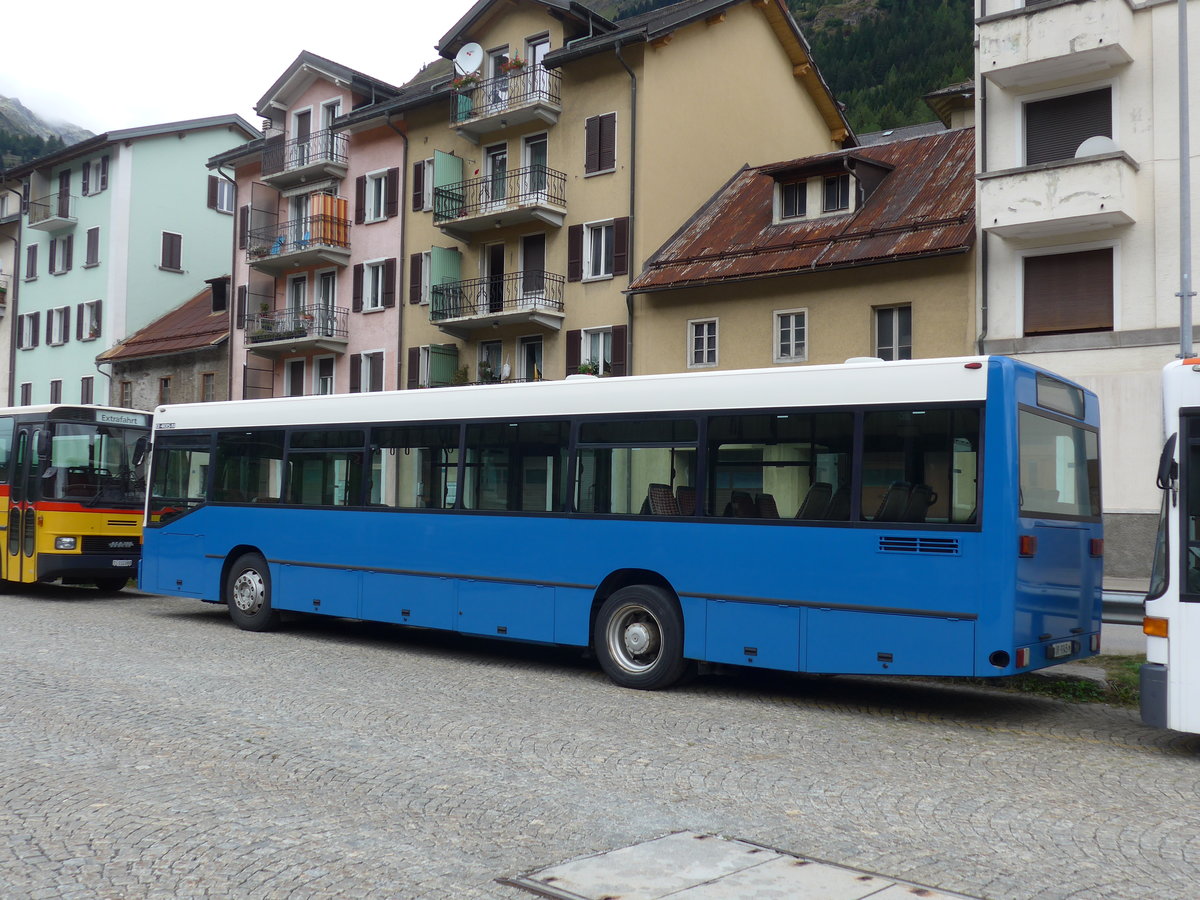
20	563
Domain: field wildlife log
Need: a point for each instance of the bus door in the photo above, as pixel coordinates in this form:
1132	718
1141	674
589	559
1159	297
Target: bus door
19	561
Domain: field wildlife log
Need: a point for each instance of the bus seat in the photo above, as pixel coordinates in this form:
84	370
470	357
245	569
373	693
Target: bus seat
816	503
919	500
893	502
839	506
741	506
662	502
764	504
685	496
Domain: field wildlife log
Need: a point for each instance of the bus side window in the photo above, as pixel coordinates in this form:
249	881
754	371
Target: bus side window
6	440
516	466
649	464
325	467
249	467
414	466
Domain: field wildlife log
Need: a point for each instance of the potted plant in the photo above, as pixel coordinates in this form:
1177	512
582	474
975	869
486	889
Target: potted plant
512	65
465	81
589	367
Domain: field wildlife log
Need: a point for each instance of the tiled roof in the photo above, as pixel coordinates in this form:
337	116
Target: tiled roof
192	326
923	205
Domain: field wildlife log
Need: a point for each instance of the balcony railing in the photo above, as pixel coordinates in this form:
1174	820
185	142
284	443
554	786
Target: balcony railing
529	296
520	96
321	153
52	212
502	198
309	327
311	240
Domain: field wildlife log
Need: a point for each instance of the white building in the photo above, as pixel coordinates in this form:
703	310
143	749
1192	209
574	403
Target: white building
1078	206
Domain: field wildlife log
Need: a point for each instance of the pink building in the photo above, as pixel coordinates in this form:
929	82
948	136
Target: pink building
318	239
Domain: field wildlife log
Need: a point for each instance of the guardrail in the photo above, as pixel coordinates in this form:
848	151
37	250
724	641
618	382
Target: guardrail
1122	608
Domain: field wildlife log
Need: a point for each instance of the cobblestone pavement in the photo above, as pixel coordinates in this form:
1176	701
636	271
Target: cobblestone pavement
153	750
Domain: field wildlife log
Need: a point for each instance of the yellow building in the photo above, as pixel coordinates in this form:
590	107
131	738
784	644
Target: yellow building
551	151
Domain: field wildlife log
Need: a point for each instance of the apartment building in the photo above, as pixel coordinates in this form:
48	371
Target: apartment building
1078	186
316	252
115	230
10	244
551	151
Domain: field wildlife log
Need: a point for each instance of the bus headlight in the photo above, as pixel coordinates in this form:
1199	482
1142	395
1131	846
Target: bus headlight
64	543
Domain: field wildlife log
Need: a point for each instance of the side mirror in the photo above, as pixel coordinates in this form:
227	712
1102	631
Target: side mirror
139	451
43	445
1168	469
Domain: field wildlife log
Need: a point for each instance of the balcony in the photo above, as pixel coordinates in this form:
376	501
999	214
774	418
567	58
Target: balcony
516	98
530	297
1037	44
317	240
1064	197
303	329
53	212
522	196
319	156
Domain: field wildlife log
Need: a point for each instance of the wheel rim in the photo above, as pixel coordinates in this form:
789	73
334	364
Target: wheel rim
249	592
634	638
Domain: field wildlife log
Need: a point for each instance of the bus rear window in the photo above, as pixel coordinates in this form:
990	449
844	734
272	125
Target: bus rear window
1060	468
1060	397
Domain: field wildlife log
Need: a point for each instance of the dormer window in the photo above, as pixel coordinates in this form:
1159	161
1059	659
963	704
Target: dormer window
813	197
837	193
793	199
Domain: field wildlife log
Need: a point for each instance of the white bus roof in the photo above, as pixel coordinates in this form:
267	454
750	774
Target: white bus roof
855	383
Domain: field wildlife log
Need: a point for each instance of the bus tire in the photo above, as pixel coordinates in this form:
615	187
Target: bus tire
248	594
638	638
111	585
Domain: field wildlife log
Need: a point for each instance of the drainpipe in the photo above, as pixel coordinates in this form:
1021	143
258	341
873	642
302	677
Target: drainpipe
13	290
633	116
231	297
401	301
981	139
1185	195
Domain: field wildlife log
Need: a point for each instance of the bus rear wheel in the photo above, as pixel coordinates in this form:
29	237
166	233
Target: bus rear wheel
111	585
248	594
638	638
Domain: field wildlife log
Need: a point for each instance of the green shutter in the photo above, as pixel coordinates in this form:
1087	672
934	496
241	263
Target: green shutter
445	272
443	363
447	190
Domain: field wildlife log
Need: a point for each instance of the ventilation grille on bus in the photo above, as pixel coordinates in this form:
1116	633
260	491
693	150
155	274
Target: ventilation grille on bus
905	544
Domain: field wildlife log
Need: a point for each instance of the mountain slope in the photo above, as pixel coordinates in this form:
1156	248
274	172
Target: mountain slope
24	135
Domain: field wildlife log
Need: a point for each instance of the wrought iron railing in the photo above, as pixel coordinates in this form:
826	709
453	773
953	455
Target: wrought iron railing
318	147
296	323
531	186
520	87
514	292
53	206
297	235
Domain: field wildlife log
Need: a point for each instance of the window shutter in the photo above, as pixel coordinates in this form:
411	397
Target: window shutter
212	191
418	190
87	170
356	297
575	253
104	173
607	142
392	204
68	252
1055	128
360	199
574	349
389	283
621	246
93	246
355	372
412	380
239	319
620	334
49	327
591	145
66	322
375	371
414	278
243	227
79	321
1069	292
54	263
31	261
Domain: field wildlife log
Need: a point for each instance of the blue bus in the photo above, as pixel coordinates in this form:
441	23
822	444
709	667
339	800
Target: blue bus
922	517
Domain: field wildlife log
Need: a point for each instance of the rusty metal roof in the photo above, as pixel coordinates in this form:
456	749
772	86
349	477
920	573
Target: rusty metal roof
192	326
923	205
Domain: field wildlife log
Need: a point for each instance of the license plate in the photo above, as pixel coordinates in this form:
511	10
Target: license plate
122	563
1060	649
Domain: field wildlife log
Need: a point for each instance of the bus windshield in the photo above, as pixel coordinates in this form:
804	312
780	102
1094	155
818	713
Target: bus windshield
95	464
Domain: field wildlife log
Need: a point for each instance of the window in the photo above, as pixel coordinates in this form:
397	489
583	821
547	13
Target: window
92	257
598	250
374	285
837	193
419	277
488	368
56	391
791	336
515	466
31	255
702	343
126	394
422	186
87	389
432	365
164	390
28	330
26	393
221	194
323	375
366	371
377	196
1068	293
58	322
893	332
325	468
1055	127
249	467
600	144
87	321
208	387
415	466
181	466
61	252
293	378
172	252
632	467
596	353
95	176
793	199
529	359
1060	468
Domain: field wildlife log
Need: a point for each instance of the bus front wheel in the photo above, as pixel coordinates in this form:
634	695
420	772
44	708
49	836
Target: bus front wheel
248	594
638	638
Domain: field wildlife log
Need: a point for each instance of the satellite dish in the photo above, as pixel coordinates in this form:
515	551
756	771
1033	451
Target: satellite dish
468	60
1094	146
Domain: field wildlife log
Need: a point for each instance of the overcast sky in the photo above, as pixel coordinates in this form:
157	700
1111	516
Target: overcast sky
133	62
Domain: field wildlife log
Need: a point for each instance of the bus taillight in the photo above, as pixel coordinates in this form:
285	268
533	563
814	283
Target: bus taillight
1097	546
1154	626
1027	546
1022	657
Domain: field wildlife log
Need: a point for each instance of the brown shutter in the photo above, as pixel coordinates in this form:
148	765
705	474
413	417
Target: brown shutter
575	253
79	321
591	145
360	199
607	142
1055	128
66	324
574	347
392	204
1069	292
356	296
31	261
53	263
418	190
104	173
93	246
239	319
620	334
165	260
68	252
411	381
243	227
375	364
87	170
212	191
389	283
49	326
355	372
621	246
415	270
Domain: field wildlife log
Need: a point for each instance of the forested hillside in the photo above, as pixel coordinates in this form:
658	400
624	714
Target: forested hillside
880	57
